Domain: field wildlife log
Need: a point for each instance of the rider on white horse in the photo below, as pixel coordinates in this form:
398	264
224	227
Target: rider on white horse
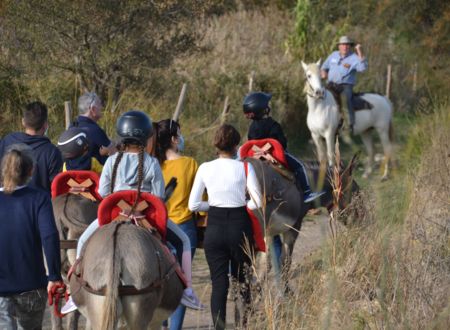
340	70
263	126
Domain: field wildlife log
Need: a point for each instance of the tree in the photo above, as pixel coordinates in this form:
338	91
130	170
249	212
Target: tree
107	45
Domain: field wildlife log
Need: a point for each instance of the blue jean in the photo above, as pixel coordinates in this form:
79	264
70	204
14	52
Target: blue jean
190	229
347	89
23	310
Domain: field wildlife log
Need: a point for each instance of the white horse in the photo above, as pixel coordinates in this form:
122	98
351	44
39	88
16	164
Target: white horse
323	120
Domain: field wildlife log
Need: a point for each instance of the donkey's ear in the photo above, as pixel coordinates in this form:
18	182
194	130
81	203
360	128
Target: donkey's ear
305	66
319	62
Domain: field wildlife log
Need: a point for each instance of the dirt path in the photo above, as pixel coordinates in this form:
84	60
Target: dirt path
314	231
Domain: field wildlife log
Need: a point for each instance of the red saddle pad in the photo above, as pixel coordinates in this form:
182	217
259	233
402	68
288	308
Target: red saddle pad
276	150
60	182
155	213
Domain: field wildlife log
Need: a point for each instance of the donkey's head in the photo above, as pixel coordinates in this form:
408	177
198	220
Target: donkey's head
313	85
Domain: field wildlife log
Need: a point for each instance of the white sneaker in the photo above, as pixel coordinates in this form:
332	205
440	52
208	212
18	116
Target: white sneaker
69	306
190	300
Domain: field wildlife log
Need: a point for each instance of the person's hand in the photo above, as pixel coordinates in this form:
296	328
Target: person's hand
103	151
52	284
358	49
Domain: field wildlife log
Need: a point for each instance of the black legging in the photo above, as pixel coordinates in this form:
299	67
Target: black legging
224	241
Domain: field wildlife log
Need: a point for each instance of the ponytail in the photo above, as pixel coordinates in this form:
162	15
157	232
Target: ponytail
16	166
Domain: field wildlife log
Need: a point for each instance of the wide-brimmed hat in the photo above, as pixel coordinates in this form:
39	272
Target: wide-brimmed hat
345	40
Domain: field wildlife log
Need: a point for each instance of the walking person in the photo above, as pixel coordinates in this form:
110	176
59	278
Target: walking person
27	227
90	111
229	229
48	159
168	148
134	169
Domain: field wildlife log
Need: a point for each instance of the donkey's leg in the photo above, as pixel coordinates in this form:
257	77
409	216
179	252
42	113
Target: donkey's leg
366	137
319	146
387	149
139	310
289	237
93	309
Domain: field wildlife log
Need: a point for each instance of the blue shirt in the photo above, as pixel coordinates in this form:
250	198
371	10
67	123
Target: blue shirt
27	226
95	135
342	70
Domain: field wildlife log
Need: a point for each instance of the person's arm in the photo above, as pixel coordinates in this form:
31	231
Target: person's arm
254	189
361	65
49	238
104	186
276	132
108	150
196	203
55	164
157	180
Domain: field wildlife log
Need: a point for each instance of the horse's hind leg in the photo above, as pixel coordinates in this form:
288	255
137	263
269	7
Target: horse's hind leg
366	137
387	149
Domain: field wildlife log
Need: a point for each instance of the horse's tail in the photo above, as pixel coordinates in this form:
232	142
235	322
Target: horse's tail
109	317
391	131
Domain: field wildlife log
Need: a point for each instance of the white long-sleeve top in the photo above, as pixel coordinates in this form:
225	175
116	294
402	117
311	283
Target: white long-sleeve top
226	184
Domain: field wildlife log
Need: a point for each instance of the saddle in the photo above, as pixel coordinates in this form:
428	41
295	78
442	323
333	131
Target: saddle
358	102
150	212
84	183
270	150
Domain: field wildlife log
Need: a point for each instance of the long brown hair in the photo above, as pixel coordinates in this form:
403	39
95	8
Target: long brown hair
16	166
165	130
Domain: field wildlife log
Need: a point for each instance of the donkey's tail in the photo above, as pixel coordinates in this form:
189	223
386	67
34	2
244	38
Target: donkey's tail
109	317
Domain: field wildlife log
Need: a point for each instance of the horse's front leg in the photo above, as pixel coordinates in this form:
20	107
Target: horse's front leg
329	137
319	146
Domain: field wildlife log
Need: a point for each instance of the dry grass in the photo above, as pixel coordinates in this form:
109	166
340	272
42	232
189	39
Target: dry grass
380	272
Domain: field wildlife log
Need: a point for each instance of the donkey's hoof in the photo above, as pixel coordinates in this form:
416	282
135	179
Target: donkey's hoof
384	178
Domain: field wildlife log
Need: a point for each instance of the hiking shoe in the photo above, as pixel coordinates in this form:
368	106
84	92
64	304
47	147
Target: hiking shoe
69	306
310	196
190	300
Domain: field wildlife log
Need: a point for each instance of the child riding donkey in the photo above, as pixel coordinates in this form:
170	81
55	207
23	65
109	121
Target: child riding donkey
134	169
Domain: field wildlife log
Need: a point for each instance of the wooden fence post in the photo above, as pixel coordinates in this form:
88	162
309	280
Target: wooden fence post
388	81
68	113
179	108
414	85
225	111
251	77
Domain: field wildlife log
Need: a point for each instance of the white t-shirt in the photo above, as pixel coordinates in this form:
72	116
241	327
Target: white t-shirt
226	184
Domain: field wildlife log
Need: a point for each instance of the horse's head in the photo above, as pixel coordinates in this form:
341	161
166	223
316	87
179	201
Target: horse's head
313	86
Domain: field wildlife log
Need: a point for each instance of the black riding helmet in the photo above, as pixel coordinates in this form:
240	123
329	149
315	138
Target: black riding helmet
73	143
134	127
257	103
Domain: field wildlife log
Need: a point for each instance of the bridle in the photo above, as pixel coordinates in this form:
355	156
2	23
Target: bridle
309	90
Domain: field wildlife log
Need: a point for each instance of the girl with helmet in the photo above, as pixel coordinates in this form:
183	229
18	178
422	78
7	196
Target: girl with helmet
131	168
74	147
27	228
263	126
168	145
